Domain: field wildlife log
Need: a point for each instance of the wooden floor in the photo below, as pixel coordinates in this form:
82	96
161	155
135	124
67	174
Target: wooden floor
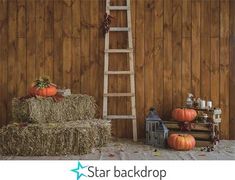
122	149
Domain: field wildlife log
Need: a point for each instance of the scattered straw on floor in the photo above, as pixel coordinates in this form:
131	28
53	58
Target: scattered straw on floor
53	138
43	110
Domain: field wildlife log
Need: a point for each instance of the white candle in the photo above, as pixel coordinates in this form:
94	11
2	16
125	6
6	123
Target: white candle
209	104
203	104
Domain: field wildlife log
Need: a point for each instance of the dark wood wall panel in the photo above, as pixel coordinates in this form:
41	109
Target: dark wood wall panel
181	46
232	70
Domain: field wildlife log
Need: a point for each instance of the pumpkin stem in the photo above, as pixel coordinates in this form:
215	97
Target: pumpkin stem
42	82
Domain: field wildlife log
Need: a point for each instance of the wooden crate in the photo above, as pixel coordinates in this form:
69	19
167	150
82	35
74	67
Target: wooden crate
204	133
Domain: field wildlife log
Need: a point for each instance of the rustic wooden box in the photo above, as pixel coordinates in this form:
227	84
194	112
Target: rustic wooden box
205	133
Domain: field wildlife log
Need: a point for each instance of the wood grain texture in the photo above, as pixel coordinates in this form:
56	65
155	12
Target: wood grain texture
180	46
177	53
139	66
224	67
3	62
76	46
196	48
40	19
186	67
58	43
167	86
205	49
12	55
85	50
232	70
31	38
149	53
186	18
21	18
158	57
48	39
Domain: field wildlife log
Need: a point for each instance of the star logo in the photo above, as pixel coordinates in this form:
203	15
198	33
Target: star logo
76	170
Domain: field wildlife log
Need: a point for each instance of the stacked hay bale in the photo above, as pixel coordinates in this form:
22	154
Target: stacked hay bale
42	126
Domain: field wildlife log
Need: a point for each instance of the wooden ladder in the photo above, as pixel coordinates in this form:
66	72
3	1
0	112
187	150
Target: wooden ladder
130	72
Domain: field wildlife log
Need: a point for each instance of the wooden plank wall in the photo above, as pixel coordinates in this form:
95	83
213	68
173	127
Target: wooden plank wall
181	46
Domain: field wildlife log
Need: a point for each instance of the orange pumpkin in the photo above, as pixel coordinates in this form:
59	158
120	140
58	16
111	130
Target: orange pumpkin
183	114
181	142
43	87
45	91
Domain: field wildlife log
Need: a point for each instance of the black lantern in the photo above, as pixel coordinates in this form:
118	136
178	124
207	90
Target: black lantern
156	131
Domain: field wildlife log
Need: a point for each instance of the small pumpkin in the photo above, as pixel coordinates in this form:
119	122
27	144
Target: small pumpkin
43	87
184	114
181	142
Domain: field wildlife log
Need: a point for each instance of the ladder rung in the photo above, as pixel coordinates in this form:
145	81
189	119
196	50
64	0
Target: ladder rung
119	94
119	72
119	117
118	7
119	50
119	29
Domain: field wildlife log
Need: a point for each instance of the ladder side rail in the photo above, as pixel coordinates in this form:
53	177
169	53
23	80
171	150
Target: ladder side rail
132	77
106	66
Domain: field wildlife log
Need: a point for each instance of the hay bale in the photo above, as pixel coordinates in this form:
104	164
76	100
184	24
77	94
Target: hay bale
44	110
69	138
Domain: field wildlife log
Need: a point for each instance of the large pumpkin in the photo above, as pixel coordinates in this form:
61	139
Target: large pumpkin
45	91
183	114
181	142
43	87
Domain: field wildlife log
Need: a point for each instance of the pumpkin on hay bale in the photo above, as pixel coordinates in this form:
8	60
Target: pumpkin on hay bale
46	110
43	87
72	138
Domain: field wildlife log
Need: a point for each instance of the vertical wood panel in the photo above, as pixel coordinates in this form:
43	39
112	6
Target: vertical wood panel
196	50
140	65
215	16
215	70
67	43
40	38
215	59
186	67
21	65
49	18
49	32
3	61
21	48
232	72
49	58
167	58
205	49
158	57
76	46
186	18
85	48
31	41
177	52
94	42
149	51
58	43
21	18
224	67
186	48
12	54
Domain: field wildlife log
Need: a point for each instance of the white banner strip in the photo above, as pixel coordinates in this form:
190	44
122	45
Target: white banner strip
82	170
